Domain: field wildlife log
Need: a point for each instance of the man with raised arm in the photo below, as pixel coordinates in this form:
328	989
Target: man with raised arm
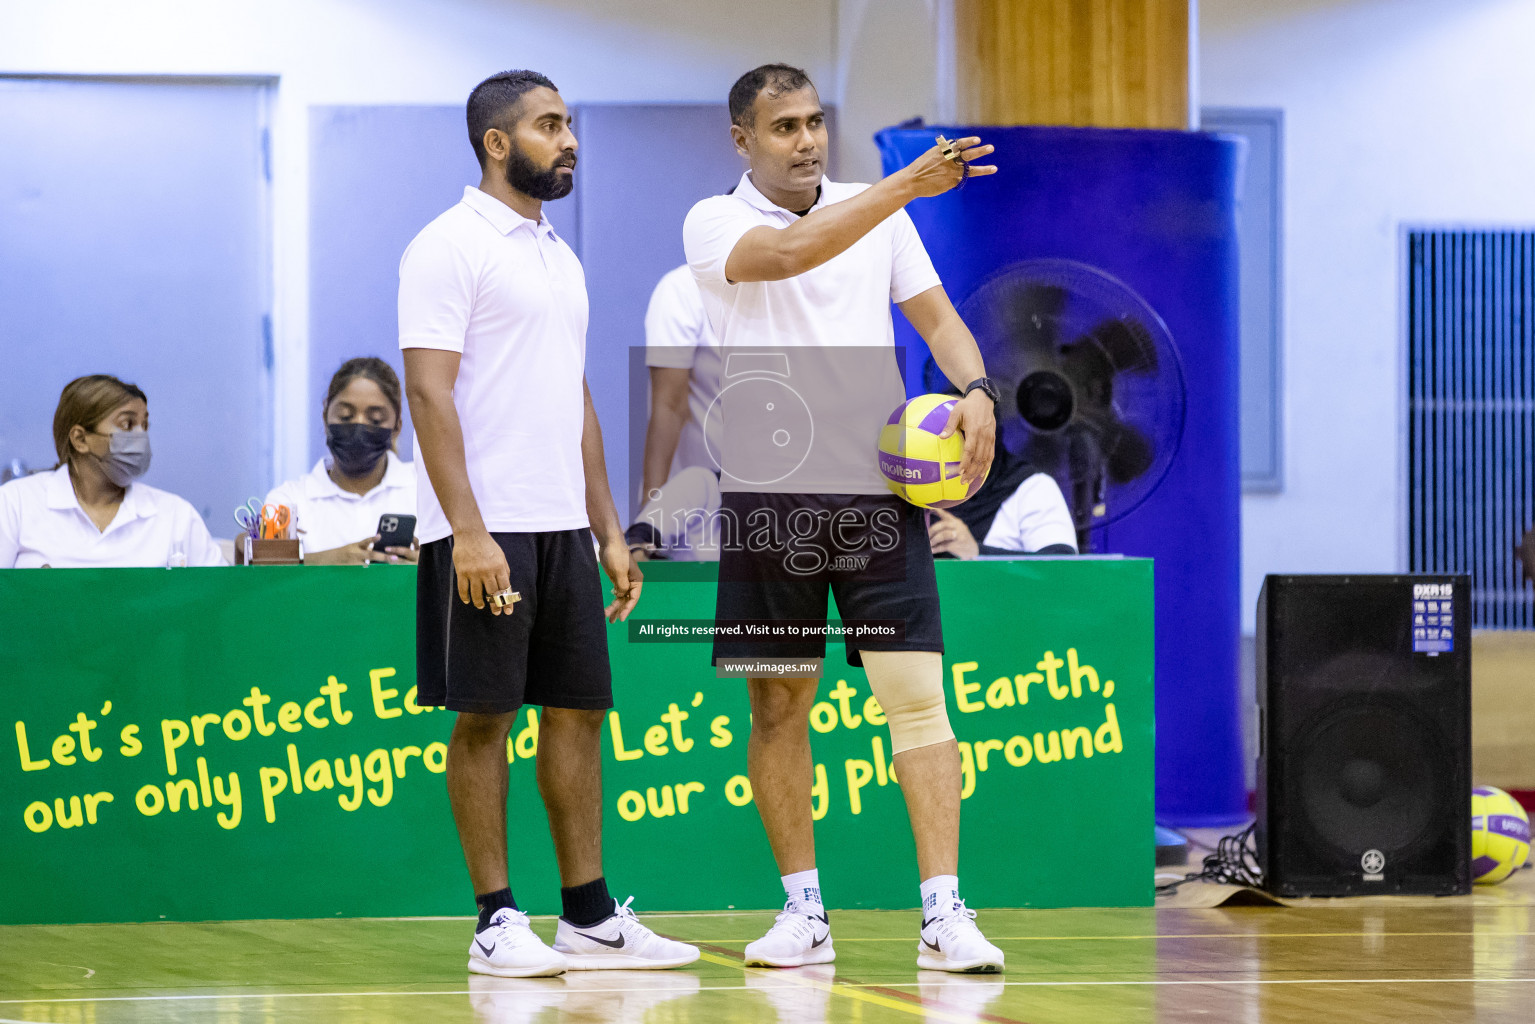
805	268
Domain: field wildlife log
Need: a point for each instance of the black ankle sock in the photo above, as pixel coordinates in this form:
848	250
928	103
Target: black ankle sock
491	902
587	904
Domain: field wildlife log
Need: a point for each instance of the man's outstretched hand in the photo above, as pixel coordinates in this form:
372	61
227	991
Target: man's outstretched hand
933	174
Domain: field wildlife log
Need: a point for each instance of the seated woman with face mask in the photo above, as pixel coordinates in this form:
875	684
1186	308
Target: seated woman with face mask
337	504
90	512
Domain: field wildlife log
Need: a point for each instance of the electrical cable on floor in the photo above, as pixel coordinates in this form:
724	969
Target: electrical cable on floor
1234	862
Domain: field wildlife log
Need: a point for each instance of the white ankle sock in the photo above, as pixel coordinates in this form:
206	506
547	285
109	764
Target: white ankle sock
804	888
940	895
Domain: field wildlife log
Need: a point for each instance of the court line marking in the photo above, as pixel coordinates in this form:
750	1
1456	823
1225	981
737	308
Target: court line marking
917	998
1276	981
89	972
850	988
1190	935
323	995
836	988
683	914
531	917
410	918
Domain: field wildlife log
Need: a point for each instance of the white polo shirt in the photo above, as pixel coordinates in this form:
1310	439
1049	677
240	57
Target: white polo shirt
678	335
327	516
510	295
843	302
42	524
840	305
1033	517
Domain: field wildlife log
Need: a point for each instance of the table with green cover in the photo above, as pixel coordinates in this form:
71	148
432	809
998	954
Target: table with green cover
244	743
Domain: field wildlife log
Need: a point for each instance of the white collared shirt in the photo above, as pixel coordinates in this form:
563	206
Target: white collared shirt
510	296
1033	517
833	319
42	524
678	335
843	302
327	516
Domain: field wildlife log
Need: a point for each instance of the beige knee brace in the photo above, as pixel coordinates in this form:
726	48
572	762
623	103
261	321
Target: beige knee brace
909	687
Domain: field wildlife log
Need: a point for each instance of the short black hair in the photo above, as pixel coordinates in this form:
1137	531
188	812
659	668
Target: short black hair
777	77
491	99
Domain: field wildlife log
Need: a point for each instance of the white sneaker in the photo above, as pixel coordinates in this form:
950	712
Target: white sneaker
619	942
797	938
952	942
509	949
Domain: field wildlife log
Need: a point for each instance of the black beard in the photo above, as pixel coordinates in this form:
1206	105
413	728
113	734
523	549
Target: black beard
541	184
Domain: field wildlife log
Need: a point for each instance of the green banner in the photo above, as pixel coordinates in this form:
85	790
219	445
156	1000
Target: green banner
244	743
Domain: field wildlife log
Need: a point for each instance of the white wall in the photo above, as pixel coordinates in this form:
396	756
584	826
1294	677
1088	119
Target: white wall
408	51
887	72
1396	112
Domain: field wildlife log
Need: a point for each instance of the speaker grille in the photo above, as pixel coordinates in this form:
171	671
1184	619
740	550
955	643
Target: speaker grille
1364	780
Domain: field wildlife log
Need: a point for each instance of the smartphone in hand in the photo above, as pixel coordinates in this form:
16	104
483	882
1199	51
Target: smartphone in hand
394	531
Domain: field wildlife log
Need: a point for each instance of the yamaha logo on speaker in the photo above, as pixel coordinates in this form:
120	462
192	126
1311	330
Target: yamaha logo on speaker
1374	864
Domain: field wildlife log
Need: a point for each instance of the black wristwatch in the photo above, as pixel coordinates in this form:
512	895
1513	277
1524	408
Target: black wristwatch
987	385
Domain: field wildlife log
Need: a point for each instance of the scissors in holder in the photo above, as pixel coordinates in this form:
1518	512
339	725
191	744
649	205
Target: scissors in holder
275	520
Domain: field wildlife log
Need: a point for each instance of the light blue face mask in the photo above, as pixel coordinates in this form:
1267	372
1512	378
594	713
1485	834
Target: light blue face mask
127	456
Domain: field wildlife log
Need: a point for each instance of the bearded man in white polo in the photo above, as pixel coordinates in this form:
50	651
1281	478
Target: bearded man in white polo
493	314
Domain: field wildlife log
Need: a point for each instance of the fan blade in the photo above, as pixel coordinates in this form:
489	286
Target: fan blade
1128	345
1029	314
1130	452
1090	371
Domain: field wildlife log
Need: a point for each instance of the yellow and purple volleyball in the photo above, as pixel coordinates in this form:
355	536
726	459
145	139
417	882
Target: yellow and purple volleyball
916	463
1500	835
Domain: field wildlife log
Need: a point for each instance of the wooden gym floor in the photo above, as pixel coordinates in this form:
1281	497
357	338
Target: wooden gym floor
1390	960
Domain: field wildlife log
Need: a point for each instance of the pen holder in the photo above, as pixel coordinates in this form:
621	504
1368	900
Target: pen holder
267	552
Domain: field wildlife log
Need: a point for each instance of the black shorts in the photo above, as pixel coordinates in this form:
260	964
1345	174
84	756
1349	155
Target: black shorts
552	651
788	551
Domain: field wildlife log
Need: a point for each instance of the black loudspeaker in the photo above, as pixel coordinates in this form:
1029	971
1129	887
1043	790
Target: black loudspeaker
1364	758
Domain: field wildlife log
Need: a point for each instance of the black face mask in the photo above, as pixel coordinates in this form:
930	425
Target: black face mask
357	447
